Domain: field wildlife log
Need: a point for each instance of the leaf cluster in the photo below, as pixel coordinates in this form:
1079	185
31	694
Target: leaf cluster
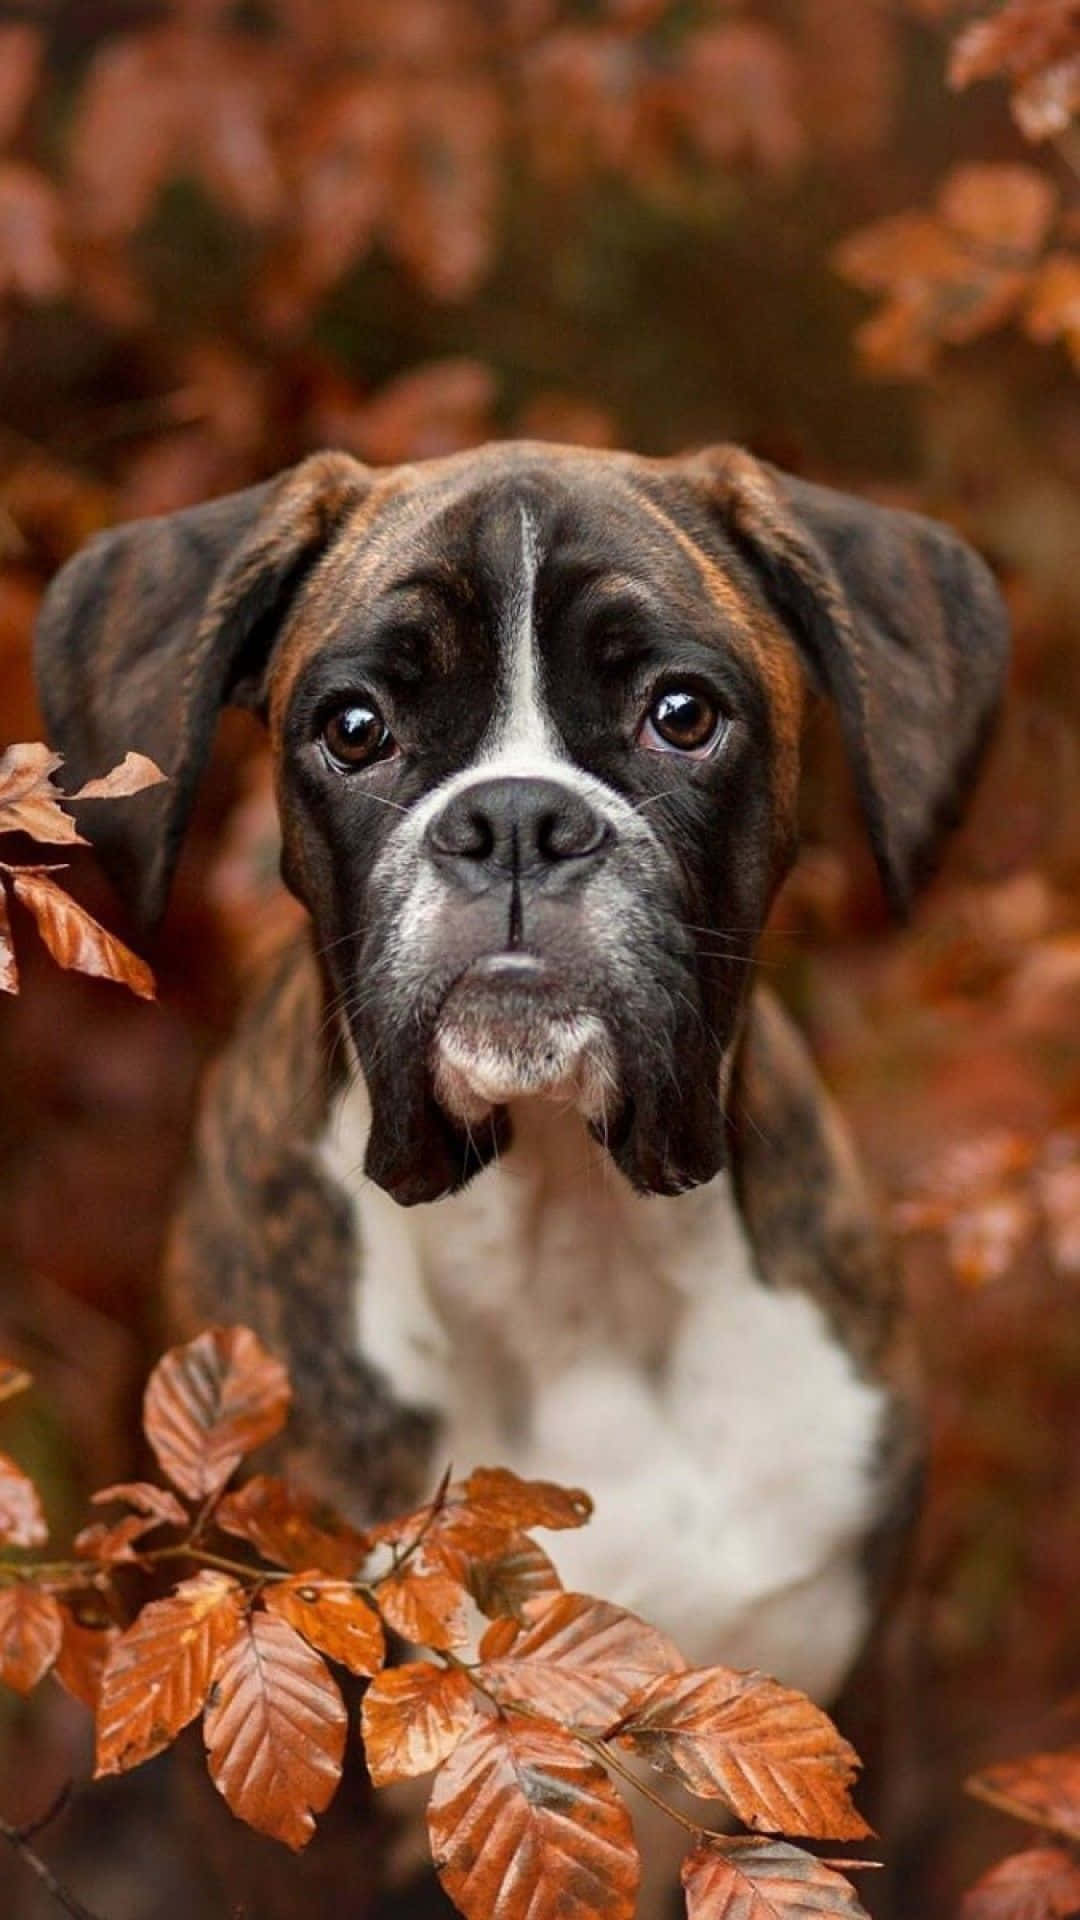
1042	1882
532	1706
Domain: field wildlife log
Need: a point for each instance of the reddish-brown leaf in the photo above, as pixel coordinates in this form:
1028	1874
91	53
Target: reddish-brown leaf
23	768
413	1718
290	1527
498	1493
579	1661
154	1503
29	803
1041	1884
275	1730
424	1604
154	1507
518	1573
113	1542
523	1824
209	1403
133	775
22	1522
157	1675
84	1650
13	1380
74	937
31	1629
752	1880
332	1617
773	1756
9	969
1043	1788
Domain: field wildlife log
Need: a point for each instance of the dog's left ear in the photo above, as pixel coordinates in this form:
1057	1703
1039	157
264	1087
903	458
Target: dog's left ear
900	624
152	628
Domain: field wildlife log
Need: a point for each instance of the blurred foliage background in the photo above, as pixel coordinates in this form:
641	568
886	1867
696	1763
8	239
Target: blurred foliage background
845	232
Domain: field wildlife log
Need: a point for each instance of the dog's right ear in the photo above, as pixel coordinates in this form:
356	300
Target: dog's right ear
152	629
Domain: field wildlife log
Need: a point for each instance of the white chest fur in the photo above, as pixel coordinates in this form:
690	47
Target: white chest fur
568	1328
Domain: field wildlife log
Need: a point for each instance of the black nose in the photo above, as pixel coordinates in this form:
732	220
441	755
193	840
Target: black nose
520	826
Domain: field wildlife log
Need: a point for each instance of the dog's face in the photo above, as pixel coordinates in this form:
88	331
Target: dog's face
535	716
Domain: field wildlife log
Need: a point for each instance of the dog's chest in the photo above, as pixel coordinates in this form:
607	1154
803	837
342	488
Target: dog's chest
563	1326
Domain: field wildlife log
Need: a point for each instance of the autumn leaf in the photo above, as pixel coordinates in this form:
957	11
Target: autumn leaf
209	1403
114	1542
413	1717
578	1661
333	1617
751	1880
74	937
157	1674
29	803
154	1507
22	1522
154	1503
774	1757
523	1824
80	1663
290	1527
497	1493
274	1730
503	1585
133	775
1041	1884
31	1630
1043	1788
9	970
424	1604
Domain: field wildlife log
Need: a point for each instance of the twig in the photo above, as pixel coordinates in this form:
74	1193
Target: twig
19	1838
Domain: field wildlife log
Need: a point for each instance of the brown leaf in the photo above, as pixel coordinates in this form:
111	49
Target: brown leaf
290	1527
154	1507
1043	1788
749	1880
157	1674
22	1522
497	1493
503	1585
333	1617
9	971
413	1718
29	803
114	1542
275	1730
1041	1884
579	1661
23	767
424	1604
524	1825
155	1503
84	1650
135	773
74	938
31	1629
13	1380
773	1756
209	1403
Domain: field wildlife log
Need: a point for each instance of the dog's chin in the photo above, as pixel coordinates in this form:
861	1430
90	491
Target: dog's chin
506	1033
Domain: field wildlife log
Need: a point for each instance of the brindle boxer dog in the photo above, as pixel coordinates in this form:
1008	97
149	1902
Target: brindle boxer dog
513	1162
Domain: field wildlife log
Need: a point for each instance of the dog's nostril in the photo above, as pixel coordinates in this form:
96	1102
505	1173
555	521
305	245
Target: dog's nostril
569	833
464	833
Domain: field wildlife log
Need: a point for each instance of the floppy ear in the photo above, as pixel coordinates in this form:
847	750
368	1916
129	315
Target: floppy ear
900	623
147	633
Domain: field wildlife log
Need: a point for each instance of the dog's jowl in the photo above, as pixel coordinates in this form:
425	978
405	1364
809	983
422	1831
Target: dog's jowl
513	1163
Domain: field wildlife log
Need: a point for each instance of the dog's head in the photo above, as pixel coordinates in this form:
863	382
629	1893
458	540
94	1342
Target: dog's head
535	716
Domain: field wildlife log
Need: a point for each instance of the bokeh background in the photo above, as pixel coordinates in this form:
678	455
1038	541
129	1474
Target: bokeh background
844	232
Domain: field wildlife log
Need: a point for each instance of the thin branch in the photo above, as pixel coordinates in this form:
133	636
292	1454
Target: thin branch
19	1838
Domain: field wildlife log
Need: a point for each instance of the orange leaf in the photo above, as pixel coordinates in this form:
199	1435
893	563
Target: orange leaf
424	1604
74	937
9	971
525	1825
1006	208
332	1616
413	1718
157	1674
209	1403
498	1493
579	1661
505	1584
1043	1788
84	1650
133	775
773	1756
275	1730
290	1527
22	1522
31	1629
110	1544
1041	1884
751	1880
154	1503
155	1507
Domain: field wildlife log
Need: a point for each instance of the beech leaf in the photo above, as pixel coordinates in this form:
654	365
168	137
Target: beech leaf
770	1753
133	775
31	1630
751	1880
1043	1788
209	1403
157	1674
577	1660
523	1824
290	1527
23	768
1040	1884
425	1604
496	1492
503	1585
154	1503
80	1663
333	1617
22	1522
74	938
413	1718
274	1730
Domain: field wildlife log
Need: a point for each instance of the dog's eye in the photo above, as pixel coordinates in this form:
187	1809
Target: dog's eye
355	735
681	720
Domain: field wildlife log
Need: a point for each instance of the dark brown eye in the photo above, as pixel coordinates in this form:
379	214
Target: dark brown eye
681	720
356	735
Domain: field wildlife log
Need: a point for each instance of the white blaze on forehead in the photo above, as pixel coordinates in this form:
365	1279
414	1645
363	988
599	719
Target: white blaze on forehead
521	720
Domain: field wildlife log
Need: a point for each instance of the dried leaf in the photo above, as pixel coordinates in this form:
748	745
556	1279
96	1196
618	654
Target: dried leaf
290	1527
80	1664
497	1493
751	1880
424	1604
112	1543
154	1503
209	1403
503	1585
333	1617
275	1730
1041	1884
29	803
579	1661
74	938
23	768
774	1757
1043	1788
157	1675
413	1718
134	774
31	1630
525	1825
9	971
22	1522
